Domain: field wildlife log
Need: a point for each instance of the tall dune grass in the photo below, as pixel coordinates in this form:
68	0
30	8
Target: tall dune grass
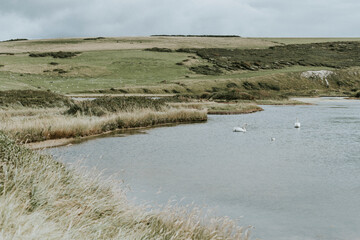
42	199
53	126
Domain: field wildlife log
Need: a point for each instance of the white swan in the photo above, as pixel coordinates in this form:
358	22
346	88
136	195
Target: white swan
240	129
297	124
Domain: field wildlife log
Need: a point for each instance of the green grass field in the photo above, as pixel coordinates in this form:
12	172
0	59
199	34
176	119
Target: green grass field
91	70
122	64
111	69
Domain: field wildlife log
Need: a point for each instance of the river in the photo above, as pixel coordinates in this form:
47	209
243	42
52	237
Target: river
303	185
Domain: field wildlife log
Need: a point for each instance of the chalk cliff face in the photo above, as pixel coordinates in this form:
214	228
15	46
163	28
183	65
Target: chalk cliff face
322	74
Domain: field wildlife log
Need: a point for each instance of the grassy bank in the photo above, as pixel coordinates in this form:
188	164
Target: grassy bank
32	116
42	199
221	107
42	125
35	116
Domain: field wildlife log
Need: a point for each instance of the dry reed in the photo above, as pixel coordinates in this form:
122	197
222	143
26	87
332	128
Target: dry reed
46	125
220	107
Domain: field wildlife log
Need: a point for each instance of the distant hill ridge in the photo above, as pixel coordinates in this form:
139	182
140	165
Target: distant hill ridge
165	35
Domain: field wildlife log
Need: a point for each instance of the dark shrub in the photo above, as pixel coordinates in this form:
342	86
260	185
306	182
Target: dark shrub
206	70
232	95
215	89
33	98
268	86
59	70
59	54
250	86
156	49
103	105
327	54
16	39
231	85
96	38
205	95
220	36
146	90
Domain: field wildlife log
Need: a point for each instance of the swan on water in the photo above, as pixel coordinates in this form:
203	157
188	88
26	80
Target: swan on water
272	139
297	124
240	129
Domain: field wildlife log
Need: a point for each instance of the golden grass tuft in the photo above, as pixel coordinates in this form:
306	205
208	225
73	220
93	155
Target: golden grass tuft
221	107
54	125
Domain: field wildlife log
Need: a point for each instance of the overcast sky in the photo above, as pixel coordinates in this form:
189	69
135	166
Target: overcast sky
249	18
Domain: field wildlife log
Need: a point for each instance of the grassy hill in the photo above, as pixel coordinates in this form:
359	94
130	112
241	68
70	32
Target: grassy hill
235	73
121	65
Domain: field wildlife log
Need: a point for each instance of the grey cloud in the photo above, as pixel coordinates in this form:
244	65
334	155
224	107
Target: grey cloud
70	18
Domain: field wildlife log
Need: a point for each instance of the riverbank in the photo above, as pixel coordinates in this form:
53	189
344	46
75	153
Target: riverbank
54	125
44	119
42	199
211	108
69	141
187	109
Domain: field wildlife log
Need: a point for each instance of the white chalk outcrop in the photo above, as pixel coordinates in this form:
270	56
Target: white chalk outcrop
322	74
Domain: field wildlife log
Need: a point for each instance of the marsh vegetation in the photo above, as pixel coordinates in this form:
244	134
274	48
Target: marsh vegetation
30	116
329	54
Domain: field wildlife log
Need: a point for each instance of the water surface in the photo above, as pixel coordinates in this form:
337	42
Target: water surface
303	185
